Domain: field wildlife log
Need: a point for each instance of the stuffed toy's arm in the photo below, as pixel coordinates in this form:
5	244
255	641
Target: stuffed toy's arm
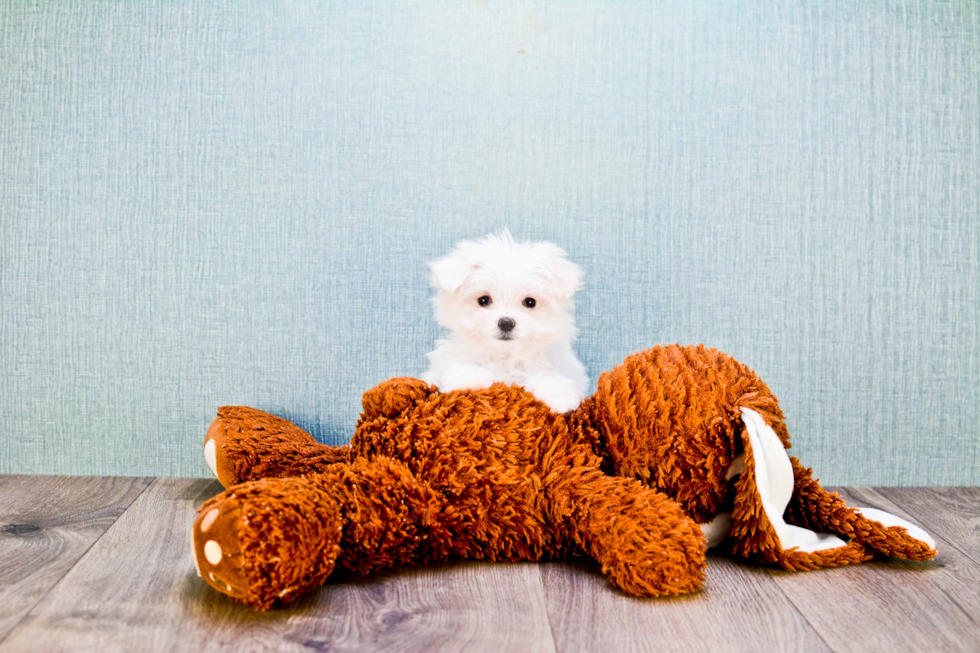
394	396
646	543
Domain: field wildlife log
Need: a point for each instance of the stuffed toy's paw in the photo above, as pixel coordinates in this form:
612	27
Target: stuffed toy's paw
394	396
217	443
267	541
643	539
217	547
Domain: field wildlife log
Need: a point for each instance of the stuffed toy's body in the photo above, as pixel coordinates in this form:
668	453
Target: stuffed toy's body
679	448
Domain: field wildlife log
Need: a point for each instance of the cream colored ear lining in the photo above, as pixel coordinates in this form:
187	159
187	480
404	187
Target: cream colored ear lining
887	519
774	480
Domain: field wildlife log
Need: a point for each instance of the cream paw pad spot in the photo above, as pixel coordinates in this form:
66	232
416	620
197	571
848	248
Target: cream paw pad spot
214	454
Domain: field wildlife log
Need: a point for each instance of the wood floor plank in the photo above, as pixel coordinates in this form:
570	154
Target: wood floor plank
891	605
739	609
468	606
136	589
46	524
123	593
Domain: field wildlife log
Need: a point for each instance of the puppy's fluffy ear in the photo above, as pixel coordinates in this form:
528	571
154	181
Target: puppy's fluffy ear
564	277
449	272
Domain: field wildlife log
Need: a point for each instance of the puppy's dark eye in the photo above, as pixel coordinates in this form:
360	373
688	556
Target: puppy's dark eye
529	302
484	301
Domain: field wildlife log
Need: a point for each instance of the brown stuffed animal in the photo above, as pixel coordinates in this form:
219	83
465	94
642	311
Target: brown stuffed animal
674	437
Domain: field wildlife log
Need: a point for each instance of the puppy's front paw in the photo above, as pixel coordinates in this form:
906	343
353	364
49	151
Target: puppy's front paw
465	377
559	392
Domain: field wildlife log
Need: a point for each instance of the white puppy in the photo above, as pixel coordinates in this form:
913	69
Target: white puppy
509	307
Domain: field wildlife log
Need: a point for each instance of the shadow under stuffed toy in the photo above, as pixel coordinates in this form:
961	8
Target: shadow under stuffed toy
679	449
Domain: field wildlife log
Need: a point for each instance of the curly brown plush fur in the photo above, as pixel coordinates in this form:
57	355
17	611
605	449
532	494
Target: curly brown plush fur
494	475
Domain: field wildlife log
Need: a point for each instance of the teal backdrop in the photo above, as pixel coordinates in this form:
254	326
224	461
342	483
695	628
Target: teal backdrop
209	202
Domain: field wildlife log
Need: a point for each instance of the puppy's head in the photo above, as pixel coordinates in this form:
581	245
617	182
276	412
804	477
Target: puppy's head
513	296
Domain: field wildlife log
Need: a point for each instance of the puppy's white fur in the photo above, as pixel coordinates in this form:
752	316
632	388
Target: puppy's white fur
537	351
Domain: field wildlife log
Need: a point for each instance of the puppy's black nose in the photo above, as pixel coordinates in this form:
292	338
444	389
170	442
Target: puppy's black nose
506	324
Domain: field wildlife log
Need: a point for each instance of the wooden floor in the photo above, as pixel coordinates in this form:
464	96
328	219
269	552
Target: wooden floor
104	564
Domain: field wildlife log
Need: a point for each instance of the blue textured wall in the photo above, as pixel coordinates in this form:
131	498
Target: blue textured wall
225	202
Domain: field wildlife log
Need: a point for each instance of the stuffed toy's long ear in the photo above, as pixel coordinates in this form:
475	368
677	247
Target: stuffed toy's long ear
770	483
814	507
763	491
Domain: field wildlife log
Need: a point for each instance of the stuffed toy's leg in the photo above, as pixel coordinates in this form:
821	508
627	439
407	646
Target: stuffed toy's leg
645	542
275	539
246	444
771	489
